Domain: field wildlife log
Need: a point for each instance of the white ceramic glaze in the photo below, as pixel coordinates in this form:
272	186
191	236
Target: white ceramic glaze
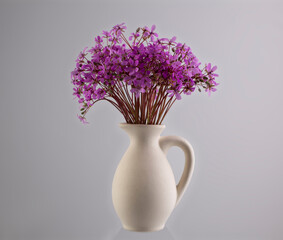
144	191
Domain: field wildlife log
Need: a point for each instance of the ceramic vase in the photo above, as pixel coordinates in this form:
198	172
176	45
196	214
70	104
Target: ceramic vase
144	191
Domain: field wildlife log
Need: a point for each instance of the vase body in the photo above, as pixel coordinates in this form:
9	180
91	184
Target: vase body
144	191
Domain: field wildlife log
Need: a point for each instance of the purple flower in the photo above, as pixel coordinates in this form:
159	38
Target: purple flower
209	90
82	119
98	40
81	55
120	72
119	29
172	40
209	69
175	93
150	32
137	91
106	34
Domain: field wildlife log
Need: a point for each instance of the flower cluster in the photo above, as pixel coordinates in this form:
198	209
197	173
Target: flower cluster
141	75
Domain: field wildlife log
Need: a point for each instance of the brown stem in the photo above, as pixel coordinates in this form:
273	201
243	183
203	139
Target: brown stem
165	113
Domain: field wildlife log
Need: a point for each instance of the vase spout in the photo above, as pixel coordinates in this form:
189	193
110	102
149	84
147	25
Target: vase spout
143	134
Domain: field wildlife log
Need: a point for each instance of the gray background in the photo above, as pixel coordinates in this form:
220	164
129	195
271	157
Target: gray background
56	174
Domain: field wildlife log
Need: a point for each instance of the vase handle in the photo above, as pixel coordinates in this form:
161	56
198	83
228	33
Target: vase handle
167	142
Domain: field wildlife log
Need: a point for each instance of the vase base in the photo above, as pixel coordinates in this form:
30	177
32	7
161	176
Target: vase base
143	229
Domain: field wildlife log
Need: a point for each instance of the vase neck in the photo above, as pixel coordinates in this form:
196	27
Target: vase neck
142	133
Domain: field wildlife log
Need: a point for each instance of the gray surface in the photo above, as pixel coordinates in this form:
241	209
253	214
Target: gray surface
56	174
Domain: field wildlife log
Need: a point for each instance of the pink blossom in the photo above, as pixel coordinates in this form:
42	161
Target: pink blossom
117	70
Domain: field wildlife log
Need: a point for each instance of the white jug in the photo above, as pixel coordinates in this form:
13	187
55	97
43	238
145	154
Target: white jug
144	191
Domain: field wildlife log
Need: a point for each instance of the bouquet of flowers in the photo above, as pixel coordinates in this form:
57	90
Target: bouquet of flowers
142	75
